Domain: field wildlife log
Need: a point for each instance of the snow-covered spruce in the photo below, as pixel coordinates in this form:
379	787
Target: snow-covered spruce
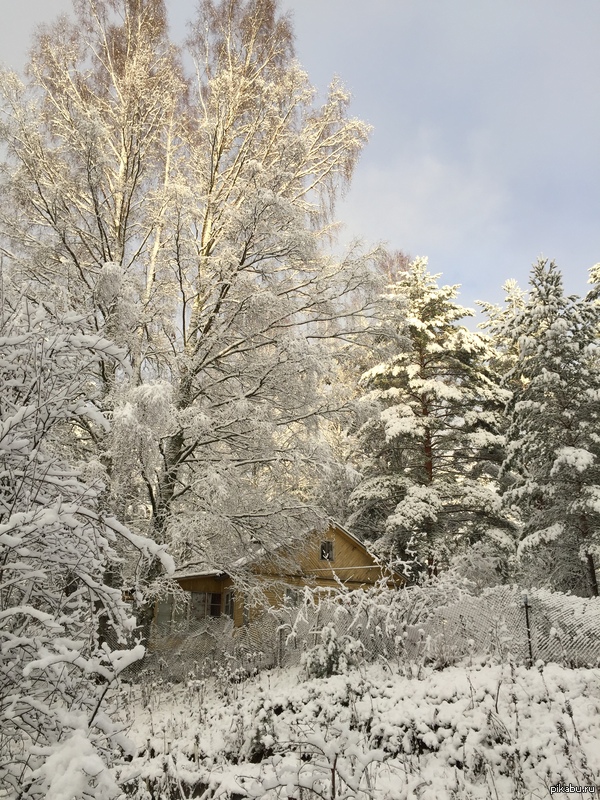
430	448
553	454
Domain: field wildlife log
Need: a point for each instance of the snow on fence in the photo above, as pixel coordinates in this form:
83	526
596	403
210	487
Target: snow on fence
524	626
210	646
506	622
405	628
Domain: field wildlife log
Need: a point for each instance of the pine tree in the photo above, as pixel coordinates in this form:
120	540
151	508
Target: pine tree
429	450
554	435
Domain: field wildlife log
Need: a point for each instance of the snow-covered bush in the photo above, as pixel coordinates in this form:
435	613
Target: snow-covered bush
333	655
438	624
330	633
485	731
57	604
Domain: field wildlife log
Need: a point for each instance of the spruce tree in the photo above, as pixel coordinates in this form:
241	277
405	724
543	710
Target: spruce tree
554	436
430	450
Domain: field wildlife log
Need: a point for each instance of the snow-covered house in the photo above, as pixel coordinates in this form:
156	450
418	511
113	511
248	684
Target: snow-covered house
327	559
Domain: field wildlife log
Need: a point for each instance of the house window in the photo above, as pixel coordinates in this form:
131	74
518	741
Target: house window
326	551
204	604
229	603
197	605
291	597
215	604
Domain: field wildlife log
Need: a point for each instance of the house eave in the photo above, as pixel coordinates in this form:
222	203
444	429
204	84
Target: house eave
194	573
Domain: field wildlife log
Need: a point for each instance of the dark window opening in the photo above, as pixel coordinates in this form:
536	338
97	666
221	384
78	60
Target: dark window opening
197	606
215	604
326	551
204	604
229	604
292	597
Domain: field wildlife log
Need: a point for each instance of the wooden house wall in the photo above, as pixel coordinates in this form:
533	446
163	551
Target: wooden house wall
206	584
213	585
351	565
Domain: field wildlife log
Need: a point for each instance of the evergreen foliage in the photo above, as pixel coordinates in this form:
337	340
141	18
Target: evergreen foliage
430	451
554	439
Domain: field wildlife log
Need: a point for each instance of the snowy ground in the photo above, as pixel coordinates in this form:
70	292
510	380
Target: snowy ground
476	731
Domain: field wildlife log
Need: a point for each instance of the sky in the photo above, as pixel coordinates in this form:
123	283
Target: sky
485	151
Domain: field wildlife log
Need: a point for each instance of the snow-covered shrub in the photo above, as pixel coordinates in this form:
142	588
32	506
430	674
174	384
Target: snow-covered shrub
486	731
333	655
438	624
362	626
259	745
57	604
489	562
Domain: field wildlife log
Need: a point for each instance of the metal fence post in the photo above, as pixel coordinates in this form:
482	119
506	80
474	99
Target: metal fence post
280	647
526	606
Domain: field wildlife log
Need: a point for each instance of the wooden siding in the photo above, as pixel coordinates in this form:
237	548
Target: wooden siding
205	583
208	584
352	565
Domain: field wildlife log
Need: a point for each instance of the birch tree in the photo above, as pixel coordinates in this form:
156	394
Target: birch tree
90	138
198	240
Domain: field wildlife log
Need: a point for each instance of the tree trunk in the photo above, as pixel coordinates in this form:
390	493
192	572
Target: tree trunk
591	571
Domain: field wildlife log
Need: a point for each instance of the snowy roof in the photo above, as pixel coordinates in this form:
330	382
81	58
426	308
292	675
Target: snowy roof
189	571
203	571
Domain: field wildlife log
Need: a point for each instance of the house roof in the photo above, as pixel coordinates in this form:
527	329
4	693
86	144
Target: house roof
189	571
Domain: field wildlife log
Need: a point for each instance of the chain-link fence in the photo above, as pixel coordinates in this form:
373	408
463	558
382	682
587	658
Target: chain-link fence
204	647
525	626
506	622
404	627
